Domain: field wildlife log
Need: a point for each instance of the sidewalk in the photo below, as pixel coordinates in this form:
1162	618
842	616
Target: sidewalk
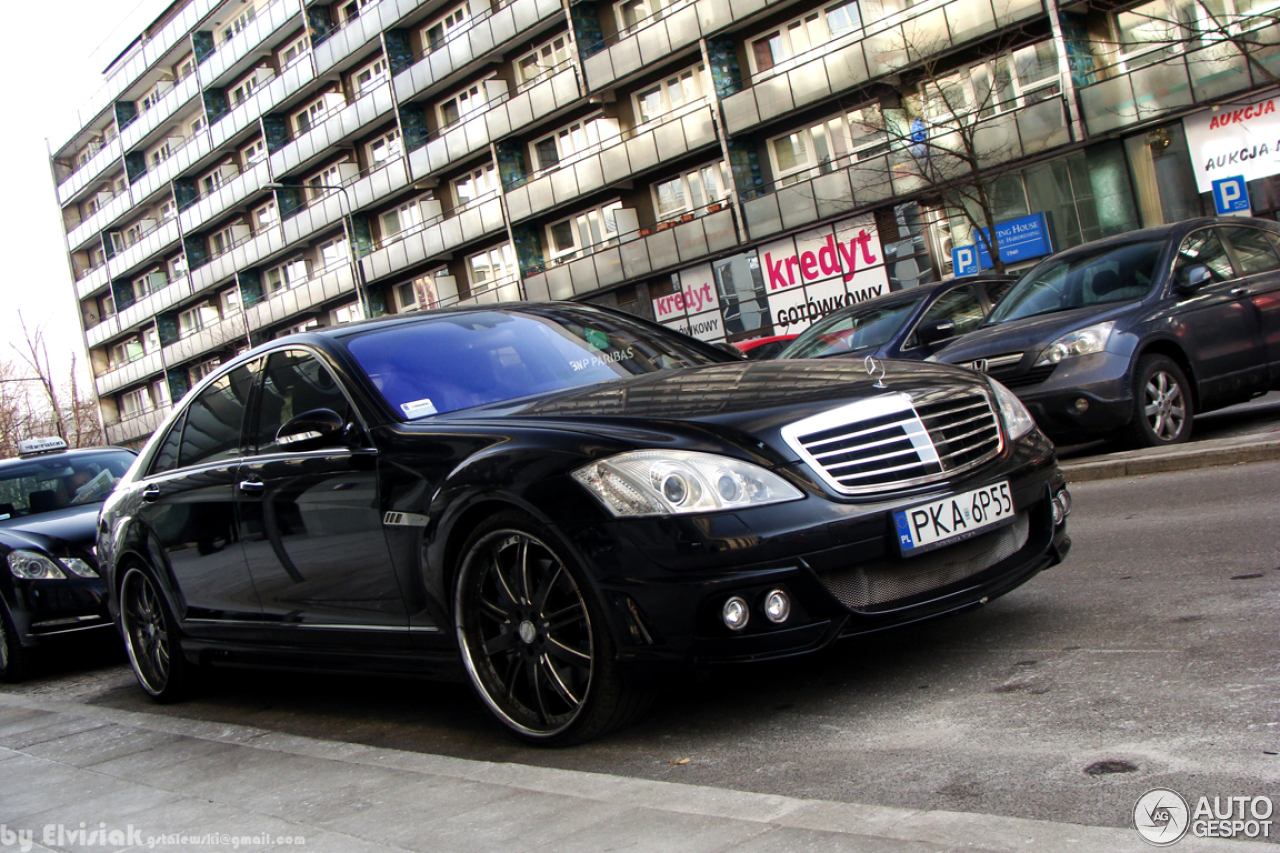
147	780
1260	447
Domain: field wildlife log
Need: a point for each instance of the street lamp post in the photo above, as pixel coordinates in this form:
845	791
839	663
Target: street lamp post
348	229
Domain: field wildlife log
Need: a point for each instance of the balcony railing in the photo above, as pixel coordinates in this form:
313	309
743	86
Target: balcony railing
135	428
228	194
1159	85
98	221
339	126
157	240
106	157
230	56
321	288
160	113
434	238
346	38
212	336
147	366
92	281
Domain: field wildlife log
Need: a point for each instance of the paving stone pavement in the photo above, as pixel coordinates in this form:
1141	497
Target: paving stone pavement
149	782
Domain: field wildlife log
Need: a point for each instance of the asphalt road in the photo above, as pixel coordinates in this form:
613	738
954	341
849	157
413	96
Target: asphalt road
1148	659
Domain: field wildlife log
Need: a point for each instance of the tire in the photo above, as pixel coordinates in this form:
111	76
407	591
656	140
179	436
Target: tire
1162	405
533	639
151	638
14	659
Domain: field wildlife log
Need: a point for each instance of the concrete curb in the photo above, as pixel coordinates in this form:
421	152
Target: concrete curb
1188	457
779	822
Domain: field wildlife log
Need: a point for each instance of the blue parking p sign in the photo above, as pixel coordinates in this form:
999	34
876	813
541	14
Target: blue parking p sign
964	259
1230	195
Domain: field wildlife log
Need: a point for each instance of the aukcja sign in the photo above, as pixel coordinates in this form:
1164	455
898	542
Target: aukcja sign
800	279
1236	139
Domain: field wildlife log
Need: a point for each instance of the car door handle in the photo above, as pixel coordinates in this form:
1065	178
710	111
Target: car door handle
1239	291
252	487
151	493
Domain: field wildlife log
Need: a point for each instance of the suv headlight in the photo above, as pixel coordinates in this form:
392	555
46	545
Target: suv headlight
672	482
33	566
1090	339
1017	420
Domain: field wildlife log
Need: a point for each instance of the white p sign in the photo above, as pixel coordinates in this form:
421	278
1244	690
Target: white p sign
1231	196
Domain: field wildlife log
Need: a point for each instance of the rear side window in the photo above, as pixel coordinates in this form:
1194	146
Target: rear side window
1204	247
214	420
1253	250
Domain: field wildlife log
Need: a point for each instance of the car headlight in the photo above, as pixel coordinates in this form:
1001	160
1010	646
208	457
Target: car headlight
1017	420
32	566
78	567
1080	342
671	482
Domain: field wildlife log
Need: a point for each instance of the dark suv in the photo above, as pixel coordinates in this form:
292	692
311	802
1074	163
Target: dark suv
1135	334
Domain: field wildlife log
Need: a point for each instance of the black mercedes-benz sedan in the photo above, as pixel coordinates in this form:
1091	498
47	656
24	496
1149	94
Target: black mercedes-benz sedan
49	501
563	504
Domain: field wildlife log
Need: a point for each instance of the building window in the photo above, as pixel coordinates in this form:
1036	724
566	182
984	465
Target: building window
265	216
230	302
550	150
334	253
287	276
294	51
348	313
203	369
475	184
542	60
486	268
254	152
633	14
403	218
461	105
126	351
583	230
828	144
439	31
177	266
242	90
1000	84
692	190
196	318
309	116
366	78
687	87
384	148
238	22
159	154
135	402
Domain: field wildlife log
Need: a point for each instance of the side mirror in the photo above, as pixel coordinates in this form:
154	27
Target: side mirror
310	426
730	349
1192	278
936	331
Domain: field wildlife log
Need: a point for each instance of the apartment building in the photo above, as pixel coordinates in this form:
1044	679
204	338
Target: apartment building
731	168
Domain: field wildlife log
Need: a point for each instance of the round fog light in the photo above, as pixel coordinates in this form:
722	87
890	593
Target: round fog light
1059	515
1081	405
1064	497
735	613
777	607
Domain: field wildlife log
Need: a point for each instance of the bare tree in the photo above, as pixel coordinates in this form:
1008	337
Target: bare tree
34	403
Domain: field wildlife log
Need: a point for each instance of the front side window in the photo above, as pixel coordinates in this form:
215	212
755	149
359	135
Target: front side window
847	331
1204	248
295	382
214	420
961	306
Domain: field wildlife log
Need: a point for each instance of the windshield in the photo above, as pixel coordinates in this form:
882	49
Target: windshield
456	361
48	483
869	325
1113	274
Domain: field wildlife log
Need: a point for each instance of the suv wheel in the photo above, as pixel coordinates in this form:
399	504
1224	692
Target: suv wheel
1163	408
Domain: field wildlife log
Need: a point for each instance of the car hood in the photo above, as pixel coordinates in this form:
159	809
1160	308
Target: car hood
1029	334
51	531
741	399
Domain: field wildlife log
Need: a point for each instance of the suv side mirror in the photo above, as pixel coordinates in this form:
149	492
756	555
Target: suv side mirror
1192	278
311	426
936	331
731	350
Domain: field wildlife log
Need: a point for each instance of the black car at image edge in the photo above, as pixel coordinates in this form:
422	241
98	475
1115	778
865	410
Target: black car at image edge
1134	335
563	505
50	589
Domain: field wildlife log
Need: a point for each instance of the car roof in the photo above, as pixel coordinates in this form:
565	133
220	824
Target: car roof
1162	232
60	454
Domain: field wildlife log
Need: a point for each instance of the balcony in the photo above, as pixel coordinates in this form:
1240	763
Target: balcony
482	36
616	159
637	255
92	282
326	210
148	54
247	253
160	114
159	239
98	221
881	49
502	117
147	367
176	291
237	54
337	127
1195	77
212	337
225	197
100	333
852	185
321	288
262	101
657	38
434	238
108	156
188	152
137	427
355	34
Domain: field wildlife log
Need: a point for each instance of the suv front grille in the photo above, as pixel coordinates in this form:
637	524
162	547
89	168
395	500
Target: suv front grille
898	441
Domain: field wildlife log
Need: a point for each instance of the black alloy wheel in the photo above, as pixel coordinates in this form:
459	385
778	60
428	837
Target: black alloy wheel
151	637
1163	408
532	639
13	658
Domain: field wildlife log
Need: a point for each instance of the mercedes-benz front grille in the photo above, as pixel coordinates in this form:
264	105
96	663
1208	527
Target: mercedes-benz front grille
898	441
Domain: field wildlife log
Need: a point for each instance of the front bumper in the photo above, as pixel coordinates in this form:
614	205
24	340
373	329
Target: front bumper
1101	380
665	580
45	609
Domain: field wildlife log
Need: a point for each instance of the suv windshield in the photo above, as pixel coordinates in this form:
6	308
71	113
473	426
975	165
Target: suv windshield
1111	274
870	325
456	361
53	482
